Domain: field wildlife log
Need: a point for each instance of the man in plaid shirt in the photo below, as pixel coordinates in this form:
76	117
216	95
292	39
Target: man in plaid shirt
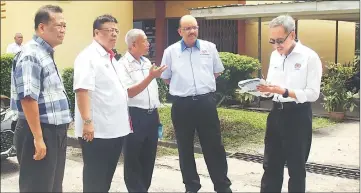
38	95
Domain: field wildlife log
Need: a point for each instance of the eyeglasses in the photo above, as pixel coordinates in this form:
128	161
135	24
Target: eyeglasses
110	30
280	40
188	29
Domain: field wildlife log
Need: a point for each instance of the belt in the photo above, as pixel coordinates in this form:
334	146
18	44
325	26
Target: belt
289	105
195	97
148	111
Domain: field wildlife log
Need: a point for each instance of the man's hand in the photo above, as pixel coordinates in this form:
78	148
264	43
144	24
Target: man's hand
156	71
270	89
40	148
88	132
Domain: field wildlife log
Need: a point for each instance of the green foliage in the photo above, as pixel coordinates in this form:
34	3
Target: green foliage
336	96
237	68
67	76
238	127
244	99
5	74
163	90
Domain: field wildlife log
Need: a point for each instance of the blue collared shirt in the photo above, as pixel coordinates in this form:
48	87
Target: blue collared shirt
35	75
191	70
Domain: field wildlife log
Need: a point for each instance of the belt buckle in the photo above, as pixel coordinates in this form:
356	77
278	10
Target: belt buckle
280	106
150	111
194	97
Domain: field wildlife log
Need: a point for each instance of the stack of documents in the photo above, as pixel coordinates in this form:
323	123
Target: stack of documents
250	86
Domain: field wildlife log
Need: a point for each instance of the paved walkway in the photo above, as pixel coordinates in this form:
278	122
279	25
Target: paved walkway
245	177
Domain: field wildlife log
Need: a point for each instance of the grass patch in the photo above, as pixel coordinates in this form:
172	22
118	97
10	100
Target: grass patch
239	127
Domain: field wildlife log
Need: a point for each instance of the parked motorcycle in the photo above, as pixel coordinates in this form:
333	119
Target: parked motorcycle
7	129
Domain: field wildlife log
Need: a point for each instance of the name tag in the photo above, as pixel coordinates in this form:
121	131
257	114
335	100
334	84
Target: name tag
204	52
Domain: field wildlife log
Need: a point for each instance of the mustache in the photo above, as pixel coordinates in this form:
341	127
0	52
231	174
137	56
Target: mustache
192	34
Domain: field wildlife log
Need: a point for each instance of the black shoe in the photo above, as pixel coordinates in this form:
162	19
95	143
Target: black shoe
228	190
188	191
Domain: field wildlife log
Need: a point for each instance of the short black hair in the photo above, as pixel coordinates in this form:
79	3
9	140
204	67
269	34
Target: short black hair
43	14
99	21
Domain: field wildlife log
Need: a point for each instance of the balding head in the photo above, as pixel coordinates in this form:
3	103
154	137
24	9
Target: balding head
18	38
186	19
188	29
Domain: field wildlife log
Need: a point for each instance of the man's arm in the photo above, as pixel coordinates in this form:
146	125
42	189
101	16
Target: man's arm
31	112
218	67
134	89
27	76
84	81
166	61
83	103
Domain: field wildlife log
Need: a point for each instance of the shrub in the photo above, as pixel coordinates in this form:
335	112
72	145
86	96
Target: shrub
5	73
337	98
237	68
67	76
163	90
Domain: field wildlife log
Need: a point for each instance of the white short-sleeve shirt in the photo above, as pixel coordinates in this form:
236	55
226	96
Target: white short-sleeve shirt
94	71
300	71
13	48
132	73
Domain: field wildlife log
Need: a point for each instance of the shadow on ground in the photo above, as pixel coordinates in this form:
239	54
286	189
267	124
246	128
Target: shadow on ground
9	167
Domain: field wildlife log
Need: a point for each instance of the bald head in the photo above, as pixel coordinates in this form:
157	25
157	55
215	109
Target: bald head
187	19
18	38
188	29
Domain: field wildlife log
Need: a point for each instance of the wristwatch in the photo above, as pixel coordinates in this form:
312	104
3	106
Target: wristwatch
87	121
285	95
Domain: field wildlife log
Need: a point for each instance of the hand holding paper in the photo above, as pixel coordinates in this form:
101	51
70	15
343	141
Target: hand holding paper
250	86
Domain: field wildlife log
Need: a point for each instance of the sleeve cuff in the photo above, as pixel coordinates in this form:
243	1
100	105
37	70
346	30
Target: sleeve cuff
300	95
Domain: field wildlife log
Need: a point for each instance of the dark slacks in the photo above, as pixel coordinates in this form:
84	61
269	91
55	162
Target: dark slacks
44	175
287	140
140	149
200	113
100	157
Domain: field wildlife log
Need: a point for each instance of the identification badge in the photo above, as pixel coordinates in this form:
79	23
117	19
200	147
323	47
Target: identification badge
160	131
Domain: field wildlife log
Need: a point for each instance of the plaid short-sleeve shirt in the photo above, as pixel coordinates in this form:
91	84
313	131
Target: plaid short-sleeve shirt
34	74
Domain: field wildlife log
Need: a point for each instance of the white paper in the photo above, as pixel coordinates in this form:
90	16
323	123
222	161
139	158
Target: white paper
250	86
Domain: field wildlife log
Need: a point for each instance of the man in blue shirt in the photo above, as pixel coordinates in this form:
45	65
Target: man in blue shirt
193	66
38	96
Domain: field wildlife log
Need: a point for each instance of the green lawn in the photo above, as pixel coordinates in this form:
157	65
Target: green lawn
239	127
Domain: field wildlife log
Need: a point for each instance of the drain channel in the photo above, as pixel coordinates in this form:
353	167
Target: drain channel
323	169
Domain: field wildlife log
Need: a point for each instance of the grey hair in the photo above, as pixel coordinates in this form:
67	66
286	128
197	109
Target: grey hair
286	21
132	36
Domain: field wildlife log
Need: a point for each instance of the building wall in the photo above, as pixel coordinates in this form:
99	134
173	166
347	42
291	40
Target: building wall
146	9
317	34
322	40
79	16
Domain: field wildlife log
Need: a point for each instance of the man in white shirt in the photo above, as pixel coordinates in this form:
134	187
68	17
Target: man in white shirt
16	46
101	111
294	73
139	77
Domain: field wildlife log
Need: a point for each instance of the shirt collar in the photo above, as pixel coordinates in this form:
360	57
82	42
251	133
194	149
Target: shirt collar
298	47
130	58
100	48
43	43
184	46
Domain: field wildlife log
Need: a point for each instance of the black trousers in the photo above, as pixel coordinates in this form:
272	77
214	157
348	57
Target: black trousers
140	149
44	175
100	157
287	140
200	113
